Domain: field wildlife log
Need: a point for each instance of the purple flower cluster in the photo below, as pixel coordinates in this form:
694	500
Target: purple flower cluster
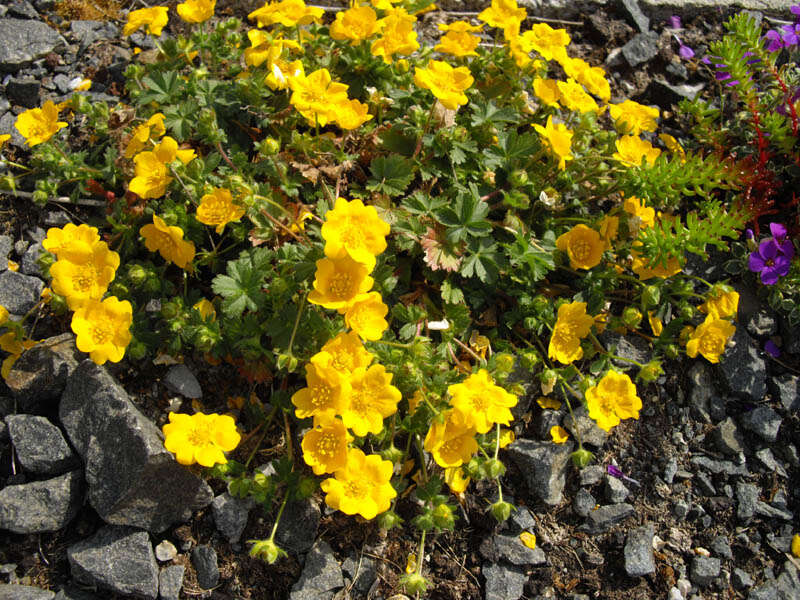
787	36
773	257
684	51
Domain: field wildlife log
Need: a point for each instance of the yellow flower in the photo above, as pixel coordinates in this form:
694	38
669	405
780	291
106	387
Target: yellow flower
613	399
103	328
571	326
503	14
366	316
609	226
546	402
13	265
451	443
445	82
196	11
558	434
168	242
547	91
351	228
549	43
314	96
154	19
200	438
458	39
58	240
325	446
559	138
361	488
397	35
326	392
633	118
9	343
153	129
655	323
37	125
347	353
574	97
710	338
3	314
357	23
481	401
3	139
206	310
288	13
632	150
583	246
84	273
528	539
594	79
282	73
506	437
339	282
720	303
218	208
672	145
646	271
796	545
372	398
152	171
456	480
351	114
643	216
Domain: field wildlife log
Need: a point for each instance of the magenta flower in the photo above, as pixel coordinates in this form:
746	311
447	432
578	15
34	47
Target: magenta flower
769	261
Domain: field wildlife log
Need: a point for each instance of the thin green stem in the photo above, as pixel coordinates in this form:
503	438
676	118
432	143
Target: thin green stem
421	555
566	386
278	517
296	323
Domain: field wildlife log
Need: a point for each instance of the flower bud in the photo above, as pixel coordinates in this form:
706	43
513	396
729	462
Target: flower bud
389	520
424	522
494	468
651	296
651	371
488	177
402	65
137	274
306	488
136	350
392	454
504	362
413	583
686	310
632	316
266	550
119	289
518	178
269	146
501	511
443	517
672	351
169	310
581	457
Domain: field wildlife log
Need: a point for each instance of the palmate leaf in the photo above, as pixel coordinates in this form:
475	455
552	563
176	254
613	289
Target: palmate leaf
241	288
390	175
162	88
489	113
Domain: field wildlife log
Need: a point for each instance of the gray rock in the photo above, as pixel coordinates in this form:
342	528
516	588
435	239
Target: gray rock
743	367
40	447
670	469
22	10
75	593
132	478
88	32
591	474
41	505
23	92
361	573
503	582
511	549
787	389
627	347
7	121
519	521
204	560
704	484
763	421
719	466
701	390
25	41
321	575
587	429
638	552
547	419
29	266
119	559
544	467
170	582
165	551
741	580
680	509
704	570
767	461
721	547
40	375
24	592
230	515
6	244
665	94
19	293
642	48
634	15
729	440
615	490
605	517
182	381
771	512
62	83
297	529
747	497
762	323
583	502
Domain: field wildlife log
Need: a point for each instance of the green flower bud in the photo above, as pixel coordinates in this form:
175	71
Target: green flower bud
413	583
269	146
389	520
176	325
672	351
137	274
632	316
306	488
392	454
518	178
516	199
443	517
501	511
58	304
504	362
424	522
494	468
651	296
581	457
45	261
205	341
266	550
153	284
136	350
651	371
119	289
170	310
686	310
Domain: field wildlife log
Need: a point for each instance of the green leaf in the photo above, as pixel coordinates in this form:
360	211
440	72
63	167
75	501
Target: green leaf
451	294
162	88
241	288
488	113
390	175
466	218
537	255
482	262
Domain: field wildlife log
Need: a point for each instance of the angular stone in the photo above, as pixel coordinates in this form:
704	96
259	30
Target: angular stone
638	552
719	466
503	582
771	512
722	547
41	505
615	490
544	467
704	570
747	496
230	515
29	264
72	592
511	549
24	41
321	575
591	474
88	32
24	592
119	559
6	244
583	502
767	461
642	48
728	438
702	388
297	529
132	478
787	389
762	323
23	91
634	15
22	9
588	431
626	347
170	582
740	579
40	447
181	380
19	293
605	517
665	94
763	421
743	367
39	376
204	561
165	551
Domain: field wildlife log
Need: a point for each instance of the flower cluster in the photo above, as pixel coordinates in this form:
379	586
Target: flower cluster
572	325
773	257
82	272
787	36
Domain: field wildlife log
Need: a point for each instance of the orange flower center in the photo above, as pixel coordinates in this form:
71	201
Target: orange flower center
83	280
352	235
166	243
710	343
581	249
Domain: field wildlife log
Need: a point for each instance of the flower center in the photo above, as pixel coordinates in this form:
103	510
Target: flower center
102	331
165	242
341	286
82	281
201	435
357	489
327	444
352	235
581	249
320	396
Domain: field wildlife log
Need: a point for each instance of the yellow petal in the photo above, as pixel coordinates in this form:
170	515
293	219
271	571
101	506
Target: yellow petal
528	539
546	402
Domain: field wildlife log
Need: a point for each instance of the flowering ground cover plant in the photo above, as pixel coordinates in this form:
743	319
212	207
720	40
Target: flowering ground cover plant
393	243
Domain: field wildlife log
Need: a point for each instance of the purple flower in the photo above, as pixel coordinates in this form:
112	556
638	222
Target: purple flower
790	34
779	233
615	472
675	22
770	261
775	41
685	52
748	233
772	349
795	10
